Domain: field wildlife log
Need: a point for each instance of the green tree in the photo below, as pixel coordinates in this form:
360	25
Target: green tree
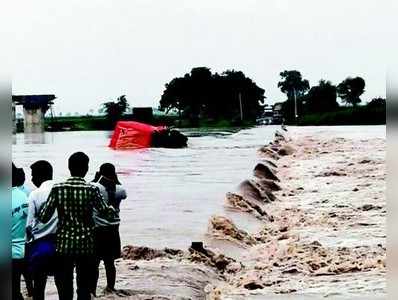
123	104
321	98
199	92
377	103
236	94
350	90
115	109
203	95
292	84
288	108
173	96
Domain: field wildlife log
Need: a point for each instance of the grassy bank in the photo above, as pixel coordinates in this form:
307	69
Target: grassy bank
361	115
76	123
95	122
87	123
346	116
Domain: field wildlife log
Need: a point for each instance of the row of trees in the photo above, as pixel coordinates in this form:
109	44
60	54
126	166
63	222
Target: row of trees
322	97
349	90
231	95
201	94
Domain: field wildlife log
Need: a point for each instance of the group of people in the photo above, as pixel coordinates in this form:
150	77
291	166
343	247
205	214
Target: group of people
66	227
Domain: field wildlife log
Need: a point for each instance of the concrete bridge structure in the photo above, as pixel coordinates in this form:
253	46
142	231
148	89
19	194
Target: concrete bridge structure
34	109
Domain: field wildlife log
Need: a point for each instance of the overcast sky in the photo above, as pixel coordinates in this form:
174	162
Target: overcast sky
87	52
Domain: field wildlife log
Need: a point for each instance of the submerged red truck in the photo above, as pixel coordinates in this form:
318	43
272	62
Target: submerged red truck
135	135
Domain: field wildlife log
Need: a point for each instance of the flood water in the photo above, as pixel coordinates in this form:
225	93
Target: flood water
171	192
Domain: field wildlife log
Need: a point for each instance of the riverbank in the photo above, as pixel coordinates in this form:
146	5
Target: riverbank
93	123
360	115
327	237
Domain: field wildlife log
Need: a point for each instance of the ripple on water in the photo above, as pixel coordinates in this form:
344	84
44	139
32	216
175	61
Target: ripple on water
162	184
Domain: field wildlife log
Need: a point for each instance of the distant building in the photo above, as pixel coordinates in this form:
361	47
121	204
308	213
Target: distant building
277	113
272	114
266	116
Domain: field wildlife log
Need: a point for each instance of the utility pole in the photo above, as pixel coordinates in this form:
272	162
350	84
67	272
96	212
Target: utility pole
240	106
295	106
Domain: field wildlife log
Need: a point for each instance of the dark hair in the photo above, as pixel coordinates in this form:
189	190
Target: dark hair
18	176
97	176
78	164
14	174
106	176
42	169
108	170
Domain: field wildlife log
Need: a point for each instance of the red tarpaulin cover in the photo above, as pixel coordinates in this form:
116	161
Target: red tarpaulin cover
129	134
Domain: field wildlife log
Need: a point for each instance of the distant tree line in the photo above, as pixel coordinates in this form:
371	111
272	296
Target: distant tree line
232	96
202	94
322	98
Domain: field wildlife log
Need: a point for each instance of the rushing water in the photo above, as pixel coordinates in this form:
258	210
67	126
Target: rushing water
174	192
171	192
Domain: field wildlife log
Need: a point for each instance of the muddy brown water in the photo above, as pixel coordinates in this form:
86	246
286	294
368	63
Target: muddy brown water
171	192
174	192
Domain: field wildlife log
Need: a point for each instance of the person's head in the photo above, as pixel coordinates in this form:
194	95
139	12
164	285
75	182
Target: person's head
18	176
14	175
41	171
108	171
78	164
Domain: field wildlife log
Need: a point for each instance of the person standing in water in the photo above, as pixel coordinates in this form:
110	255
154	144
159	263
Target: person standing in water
107	238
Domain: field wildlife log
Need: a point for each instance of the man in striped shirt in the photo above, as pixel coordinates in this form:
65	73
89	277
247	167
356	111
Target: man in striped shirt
75	201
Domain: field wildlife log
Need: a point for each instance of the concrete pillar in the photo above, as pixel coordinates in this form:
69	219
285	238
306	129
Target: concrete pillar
34	120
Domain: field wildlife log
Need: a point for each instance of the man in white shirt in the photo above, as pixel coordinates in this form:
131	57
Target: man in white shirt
40	237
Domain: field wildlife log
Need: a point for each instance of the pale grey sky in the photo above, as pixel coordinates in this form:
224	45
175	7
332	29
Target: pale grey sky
91	51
